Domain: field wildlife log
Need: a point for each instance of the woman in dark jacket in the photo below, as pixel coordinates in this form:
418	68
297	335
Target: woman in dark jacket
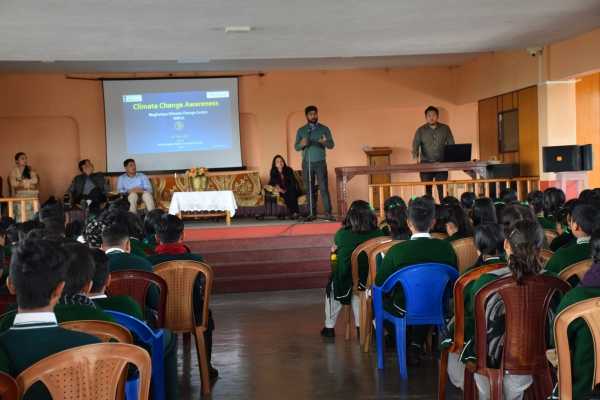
284	183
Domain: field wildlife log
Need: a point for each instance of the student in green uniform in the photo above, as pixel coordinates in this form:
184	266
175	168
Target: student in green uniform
565	237
458	224
37	277
489	240
396	223
535	200
421	248
522	245
483	211
359	226
554	200
170	248
584	221
581	342
150	226
467	199
117	245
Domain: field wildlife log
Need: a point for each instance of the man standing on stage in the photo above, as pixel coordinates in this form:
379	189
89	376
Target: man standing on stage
312	139
429	142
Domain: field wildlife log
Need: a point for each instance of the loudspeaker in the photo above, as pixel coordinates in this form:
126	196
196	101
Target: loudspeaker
585	152
561	158
498	171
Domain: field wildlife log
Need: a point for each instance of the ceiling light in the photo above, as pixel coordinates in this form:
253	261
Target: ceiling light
238	29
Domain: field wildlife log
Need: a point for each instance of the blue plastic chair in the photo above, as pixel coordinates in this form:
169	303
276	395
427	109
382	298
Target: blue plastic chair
152	339
424	286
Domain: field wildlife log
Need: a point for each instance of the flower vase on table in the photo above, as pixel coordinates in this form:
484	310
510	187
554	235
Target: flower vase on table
198	178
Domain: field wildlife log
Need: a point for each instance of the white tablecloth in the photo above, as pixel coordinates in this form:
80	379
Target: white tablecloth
203	201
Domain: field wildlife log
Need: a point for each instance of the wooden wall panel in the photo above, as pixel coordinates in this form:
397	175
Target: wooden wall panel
529	154
588	120
488	129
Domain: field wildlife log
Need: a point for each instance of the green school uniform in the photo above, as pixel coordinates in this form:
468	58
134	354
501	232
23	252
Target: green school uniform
124	304
140	248
30	340
121	261
456	236
346	241
565	239
420	249
547	223
581	343
159	258
567	256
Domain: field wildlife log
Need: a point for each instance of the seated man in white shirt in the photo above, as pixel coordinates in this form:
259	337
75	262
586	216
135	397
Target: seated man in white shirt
135	184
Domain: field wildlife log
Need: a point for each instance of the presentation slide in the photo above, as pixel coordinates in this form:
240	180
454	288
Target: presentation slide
172	124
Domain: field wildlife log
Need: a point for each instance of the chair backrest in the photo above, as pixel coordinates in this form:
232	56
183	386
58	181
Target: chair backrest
138	328
103	330
466	252
545	255
373	253
550	234
438	235
5	301
423	286
91	372
136	284
459	301
526	306
180	276
9	390
589	310
364	247
578	269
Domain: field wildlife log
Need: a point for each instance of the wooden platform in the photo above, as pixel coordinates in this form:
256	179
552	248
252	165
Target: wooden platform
260	256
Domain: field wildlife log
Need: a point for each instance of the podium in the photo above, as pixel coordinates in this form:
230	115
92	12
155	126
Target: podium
379	157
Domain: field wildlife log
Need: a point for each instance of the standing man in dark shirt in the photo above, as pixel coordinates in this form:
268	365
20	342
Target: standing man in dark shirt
428	147
312	139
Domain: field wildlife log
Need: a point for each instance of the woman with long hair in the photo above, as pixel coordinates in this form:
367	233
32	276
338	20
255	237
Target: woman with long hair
23	183
483	211
359	226
284	183
396	222
458	224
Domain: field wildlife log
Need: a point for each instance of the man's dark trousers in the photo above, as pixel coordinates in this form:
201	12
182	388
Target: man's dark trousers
434	176
318	170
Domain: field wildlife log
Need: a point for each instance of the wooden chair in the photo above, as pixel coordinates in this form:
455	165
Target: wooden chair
6	300
9	390
439	235
356	290
589	310
179	318
366	301
458	342
526	306
466	253
550	234
578	269
89	372
545	255
136	284
103	330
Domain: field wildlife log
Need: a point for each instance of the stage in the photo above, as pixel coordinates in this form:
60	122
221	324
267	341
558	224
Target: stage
253	255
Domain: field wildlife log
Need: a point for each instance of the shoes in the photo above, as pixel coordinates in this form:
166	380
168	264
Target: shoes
328	332
213	374
329	217
413	355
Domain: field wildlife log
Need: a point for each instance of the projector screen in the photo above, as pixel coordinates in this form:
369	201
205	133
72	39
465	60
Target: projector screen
172	124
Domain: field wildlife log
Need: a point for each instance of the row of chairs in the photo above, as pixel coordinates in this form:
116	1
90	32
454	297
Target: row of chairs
175	280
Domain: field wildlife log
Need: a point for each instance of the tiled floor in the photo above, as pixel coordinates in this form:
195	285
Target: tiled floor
267	346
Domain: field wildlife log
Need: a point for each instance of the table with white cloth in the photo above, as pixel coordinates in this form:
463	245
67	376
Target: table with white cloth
204	204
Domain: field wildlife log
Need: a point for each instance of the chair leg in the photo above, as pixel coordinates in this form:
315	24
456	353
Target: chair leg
348	319
363	318
496	378
469	388
369	325
379	340
401	347
443	375
202	360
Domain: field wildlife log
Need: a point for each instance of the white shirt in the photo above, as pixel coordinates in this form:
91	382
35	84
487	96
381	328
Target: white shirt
420	235
582	240
114	250
33	320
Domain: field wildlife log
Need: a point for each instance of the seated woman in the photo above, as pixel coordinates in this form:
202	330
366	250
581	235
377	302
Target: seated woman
284	183
396	223
483	211
522	245
359	226
458	224
563	221
23	183
580	338
554	200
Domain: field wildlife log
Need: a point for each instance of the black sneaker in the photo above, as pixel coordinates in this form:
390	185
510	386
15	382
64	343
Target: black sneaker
328	332
213	374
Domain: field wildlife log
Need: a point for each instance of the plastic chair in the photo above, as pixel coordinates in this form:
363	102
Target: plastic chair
458	341
152	339
423	286
6	300
545	255
180	276
136	284
466	252
366	301
8	387
356	289
524	353
438	235
89	372
589	310
103	330
578	269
